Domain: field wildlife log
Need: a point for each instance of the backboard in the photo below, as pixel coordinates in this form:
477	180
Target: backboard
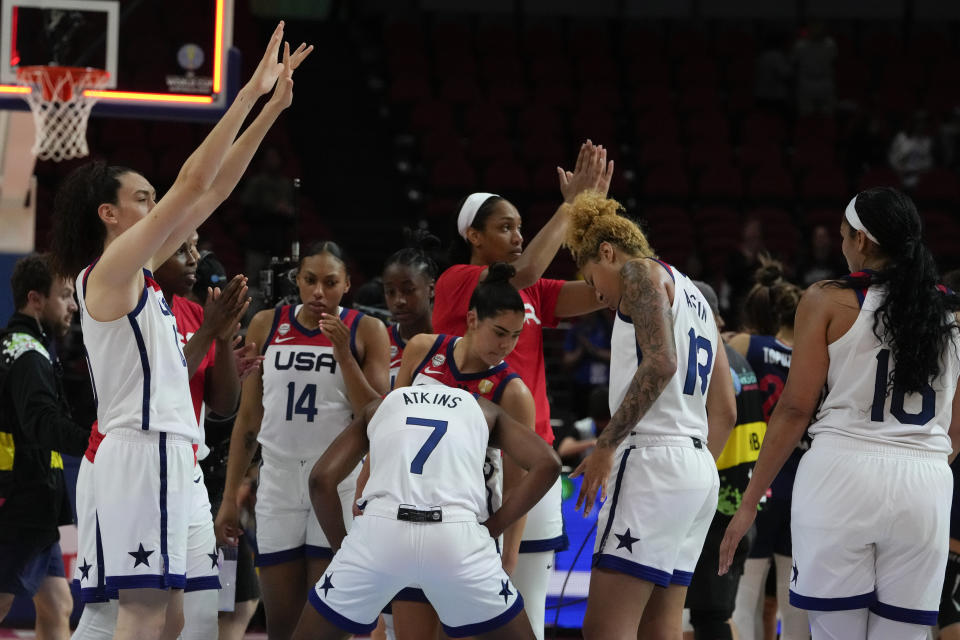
166	58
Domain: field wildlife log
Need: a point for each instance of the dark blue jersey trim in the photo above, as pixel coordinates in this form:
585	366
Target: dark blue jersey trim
643	572
314	551
487	626
279	557
296	323
145	365
862	601
163	504
613	501
353	330
277	314
665	266
559	543
498	393
153	581
433	350
682	578
463	377
902	614
397	338
411	594
348	625
205	583
141	303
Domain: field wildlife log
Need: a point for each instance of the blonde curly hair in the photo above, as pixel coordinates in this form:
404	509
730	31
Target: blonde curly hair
596	219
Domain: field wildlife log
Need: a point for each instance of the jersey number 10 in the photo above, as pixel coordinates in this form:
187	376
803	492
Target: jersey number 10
928	397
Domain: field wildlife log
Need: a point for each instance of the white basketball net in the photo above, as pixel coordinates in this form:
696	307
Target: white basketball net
60	110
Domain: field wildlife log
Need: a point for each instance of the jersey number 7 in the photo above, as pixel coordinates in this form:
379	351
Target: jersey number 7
439	428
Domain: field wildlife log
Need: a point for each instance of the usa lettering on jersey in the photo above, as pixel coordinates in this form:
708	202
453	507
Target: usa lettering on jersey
304	361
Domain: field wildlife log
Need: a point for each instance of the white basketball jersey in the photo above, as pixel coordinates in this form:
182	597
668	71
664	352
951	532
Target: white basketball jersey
680	410
427	447
137	367
305	402
858	404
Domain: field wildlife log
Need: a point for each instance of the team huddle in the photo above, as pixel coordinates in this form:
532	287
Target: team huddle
406	474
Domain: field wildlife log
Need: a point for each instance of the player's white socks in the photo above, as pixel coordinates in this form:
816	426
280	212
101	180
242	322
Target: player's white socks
748	611
98	621
200	610
794	623
531	578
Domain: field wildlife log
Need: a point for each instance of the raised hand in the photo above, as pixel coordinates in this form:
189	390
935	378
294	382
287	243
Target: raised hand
338	333
283	93
590	172
247	358
224	309
606	175
269	69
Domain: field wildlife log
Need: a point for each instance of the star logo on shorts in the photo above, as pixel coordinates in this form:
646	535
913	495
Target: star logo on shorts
795	573
327	584
214	557
85	570
626	540
141	556
505	591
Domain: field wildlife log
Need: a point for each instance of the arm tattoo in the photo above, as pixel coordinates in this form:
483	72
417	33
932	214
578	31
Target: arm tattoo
249	441
647	304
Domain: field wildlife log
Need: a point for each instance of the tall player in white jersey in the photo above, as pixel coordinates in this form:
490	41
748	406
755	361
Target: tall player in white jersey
668	372
422	525
106	215
872	497
322	365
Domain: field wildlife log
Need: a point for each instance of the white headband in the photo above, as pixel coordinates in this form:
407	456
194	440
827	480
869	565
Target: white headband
853	219
469	211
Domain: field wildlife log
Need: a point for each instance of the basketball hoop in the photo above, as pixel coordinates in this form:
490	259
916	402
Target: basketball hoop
60	108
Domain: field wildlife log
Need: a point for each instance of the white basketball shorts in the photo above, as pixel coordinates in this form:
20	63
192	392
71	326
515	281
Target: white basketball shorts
454	562
287	528
661	498
86	573
544	530
871	529
143	496
203	568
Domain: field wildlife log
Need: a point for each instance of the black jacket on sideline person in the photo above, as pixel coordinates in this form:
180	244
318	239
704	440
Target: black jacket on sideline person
35	426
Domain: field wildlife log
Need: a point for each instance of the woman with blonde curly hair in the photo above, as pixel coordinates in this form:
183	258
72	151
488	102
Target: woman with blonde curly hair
668	372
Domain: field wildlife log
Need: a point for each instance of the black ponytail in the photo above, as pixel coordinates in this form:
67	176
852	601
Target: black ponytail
494	294
418	253
914	315
78	232
460	250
